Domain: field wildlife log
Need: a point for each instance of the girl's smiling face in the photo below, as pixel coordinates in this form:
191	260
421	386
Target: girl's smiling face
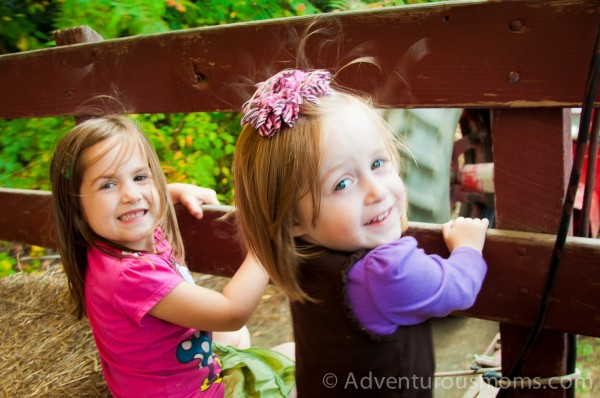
363	200
118	195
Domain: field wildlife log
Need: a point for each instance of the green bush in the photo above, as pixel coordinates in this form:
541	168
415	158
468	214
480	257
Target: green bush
26	149
7	264
196	148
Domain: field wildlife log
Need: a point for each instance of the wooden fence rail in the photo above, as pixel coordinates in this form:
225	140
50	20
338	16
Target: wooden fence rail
517	261
486	54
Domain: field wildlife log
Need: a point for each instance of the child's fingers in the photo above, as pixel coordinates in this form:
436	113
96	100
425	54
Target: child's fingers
474	221
465	232
446	228
208	197
464	224
481	223
193	205
194	200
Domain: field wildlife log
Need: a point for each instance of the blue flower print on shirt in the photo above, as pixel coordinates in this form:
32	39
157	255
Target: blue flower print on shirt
199	347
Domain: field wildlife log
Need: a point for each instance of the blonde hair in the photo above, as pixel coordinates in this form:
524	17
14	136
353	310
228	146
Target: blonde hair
66	174
272	173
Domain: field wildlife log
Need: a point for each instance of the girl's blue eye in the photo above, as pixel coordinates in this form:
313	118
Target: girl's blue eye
108	185
377	164
342	184
140	178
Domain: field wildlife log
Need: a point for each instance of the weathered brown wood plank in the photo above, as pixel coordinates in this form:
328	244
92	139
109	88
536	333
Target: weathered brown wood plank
533	160
511	292
26	216
518	262
456	54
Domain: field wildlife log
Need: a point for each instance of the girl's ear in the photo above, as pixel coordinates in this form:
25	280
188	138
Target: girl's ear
302	216
298	230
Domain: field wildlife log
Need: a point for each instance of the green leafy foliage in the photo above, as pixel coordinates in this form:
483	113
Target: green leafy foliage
350	5
196	148
26	149
214	12
588	361
112	19
26	24
6	264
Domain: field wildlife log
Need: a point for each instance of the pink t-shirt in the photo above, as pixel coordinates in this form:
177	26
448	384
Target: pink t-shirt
143	356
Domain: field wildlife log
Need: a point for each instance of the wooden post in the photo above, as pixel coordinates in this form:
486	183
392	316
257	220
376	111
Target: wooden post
533	158
79	34
76	35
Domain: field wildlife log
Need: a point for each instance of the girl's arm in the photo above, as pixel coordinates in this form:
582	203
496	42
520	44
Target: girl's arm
399	284
200	308
192	197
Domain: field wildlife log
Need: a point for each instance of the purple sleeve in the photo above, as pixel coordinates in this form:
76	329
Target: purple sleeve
399	284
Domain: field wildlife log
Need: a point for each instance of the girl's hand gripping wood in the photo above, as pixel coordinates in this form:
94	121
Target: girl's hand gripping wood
192	197
465	232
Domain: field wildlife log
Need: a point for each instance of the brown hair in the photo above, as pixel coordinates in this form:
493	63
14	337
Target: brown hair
66	174
272	173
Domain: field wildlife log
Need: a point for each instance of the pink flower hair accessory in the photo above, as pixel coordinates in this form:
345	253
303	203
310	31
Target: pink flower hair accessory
278	99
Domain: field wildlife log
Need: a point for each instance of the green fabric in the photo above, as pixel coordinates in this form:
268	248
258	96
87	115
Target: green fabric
255	372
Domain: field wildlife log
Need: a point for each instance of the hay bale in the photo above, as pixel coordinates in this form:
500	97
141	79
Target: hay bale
45	350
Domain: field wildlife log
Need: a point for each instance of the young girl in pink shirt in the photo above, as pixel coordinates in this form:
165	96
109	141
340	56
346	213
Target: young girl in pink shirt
123	256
